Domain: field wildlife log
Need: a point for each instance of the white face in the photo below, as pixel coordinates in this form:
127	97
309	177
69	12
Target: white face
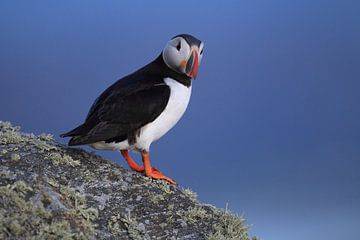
180	57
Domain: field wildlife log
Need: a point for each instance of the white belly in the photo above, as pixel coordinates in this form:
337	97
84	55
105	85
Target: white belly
177	104
175	108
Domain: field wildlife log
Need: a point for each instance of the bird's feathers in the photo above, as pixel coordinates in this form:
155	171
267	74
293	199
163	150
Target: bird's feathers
127	105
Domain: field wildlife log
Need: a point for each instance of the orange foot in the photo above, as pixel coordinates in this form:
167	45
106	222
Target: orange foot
147	169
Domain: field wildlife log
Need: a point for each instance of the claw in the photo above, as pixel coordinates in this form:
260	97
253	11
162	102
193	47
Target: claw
153	172
156	175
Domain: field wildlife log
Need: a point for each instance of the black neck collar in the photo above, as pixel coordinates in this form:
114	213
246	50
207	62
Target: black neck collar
161	68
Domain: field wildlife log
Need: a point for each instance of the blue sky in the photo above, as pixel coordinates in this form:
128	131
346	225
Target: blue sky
273	123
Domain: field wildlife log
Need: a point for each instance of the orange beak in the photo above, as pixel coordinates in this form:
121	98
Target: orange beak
193	64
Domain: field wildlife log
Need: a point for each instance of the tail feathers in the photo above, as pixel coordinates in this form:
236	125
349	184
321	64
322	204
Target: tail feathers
83	140
80	130
76	140
76	134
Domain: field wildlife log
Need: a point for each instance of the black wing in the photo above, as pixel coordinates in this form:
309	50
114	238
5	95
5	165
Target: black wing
123	108
127	105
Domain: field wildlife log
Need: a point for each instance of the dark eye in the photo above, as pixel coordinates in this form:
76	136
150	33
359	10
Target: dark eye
201	51
178	47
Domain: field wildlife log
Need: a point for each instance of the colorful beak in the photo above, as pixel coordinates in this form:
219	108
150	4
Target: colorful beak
192	64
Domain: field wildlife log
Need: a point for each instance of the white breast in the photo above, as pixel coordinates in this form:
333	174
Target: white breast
177	104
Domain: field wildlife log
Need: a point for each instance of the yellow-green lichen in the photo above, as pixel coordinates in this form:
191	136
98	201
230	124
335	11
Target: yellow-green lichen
15	157
20	217
58	158
114	225
52	182
46	137
171	207
46	209
79	212
89	176
229	227
131	226
74	198
5	125
9	134
10	137
156	198
161	184
193	214
42	146
162	225
56	231
164	186
6	174
190	194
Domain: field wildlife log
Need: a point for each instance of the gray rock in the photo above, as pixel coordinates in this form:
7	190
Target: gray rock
57	192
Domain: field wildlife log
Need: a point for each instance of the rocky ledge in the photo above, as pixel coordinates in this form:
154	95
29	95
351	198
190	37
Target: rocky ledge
51	191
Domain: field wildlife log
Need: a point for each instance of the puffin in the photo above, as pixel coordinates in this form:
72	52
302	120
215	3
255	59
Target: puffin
141	107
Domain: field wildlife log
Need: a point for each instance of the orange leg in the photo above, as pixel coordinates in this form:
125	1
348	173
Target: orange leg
133	165
149	171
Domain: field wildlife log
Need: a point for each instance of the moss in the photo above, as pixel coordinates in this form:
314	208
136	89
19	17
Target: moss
57	158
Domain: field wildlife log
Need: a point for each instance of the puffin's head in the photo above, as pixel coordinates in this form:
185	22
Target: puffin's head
183	54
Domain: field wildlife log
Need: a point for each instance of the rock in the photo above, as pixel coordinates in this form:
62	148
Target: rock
51	191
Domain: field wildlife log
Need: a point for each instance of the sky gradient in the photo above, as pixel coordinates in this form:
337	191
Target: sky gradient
273	125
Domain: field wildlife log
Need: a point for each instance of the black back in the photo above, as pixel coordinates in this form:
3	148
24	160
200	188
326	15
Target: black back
127	105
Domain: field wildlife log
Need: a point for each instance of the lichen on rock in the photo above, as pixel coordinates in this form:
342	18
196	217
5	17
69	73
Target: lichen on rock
51	191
